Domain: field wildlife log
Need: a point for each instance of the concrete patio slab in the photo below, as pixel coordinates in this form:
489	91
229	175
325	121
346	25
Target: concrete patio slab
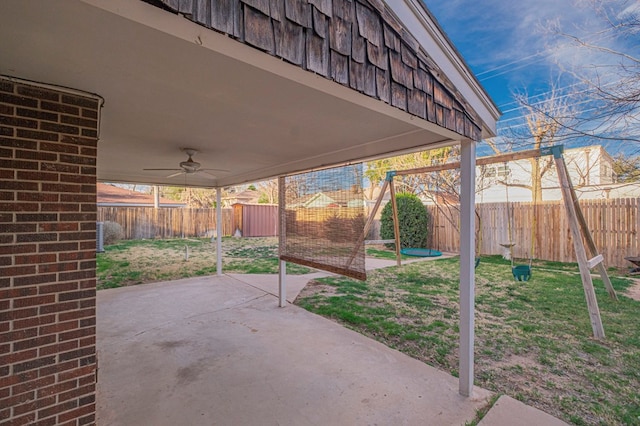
269	282
214	350
508	412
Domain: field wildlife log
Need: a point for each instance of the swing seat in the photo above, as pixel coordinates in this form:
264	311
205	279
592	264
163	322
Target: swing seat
421	252
521	272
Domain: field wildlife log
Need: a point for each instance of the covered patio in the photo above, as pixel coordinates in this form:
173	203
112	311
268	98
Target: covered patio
104	89
218	350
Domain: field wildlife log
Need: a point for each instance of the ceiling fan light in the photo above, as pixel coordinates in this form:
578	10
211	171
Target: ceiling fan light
190	165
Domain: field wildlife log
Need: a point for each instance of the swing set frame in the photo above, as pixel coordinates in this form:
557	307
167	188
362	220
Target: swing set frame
577	222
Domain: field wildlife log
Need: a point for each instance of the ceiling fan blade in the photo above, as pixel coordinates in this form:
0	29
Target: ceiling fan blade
208	174
176	174
164	170
215	170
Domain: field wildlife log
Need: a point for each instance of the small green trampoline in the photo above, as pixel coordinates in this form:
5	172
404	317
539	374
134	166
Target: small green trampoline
421	252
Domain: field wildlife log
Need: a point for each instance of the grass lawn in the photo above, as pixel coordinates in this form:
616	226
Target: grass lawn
532	338
142	261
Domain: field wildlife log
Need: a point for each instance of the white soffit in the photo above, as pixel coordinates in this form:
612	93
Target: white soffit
169	83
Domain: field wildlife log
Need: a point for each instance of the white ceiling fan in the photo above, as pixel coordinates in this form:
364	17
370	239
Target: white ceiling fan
189	167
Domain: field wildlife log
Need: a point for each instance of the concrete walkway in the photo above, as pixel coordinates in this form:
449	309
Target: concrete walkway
218	350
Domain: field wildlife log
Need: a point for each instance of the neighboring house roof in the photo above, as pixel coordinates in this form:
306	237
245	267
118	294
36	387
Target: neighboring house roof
248	196
113	196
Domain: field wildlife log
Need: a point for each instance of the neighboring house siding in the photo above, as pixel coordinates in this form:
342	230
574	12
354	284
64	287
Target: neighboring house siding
590	169
47	255
359	44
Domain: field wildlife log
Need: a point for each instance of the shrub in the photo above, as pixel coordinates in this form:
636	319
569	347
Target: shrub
112	232
413	219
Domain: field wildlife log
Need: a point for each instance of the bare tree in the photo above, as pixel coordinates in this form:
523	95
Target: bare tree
607	86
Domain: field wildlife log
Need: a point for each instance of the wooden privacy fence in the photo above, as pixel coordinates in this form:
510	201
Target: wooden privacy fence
149	222
614	225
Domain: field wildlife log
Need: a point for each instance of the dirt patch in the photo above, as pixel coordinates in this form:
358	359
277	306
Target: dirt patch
634	291
314	287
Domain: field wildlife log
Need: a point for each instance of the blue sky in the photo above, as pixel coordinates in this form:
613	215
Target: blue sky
510	48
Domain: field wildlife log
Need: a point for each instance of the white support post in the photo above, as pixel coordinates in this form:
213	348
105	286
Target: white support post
467	265
219	231
282	284
156	196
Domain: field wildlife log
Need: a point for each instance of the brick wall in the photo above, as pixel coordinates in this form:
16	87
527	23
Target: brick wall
47	255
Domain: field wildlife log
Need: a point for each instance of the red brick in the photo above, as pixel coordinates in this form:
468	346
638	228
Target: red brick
59	128
60	168
59	227
57	287
6	217
27	419
90	226
78	121
37	135
79	141
35	258
14	336
34	279
88	284
88	264
20	185
18	378
18	122
77	255
40	115
58	348
51	106
42	236
60	187
34	301
86	245
18	357
59	207
21	292
59	147
51	421
58	327
77	217
18	248
33	364
37	196
89	113
32	385
77	178
76	334
78	392
58	307
19	207
56	388
58	408
38	92
58	368
78	198
34	343
18	100
57	247
57	267
13	271
34	321
15	314
76	275
36	155
89	408
38	176
18	143
88	370
75	295
77	314
37	217
88	341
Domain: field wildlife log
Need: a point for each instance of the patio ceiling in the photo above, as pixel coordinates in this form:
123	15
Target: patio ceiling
168	83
